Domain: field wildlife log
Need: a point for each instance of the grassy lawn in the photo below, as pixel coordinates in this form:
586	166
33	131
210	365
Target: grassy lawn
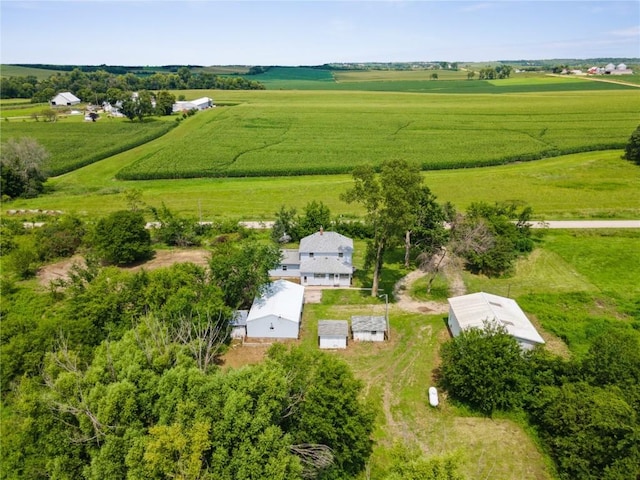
580	186
577	284
397	375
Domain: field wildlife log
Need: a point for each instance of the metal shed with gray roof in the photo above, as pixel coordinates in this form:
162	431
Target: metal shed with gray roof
369	328
333	333
473	310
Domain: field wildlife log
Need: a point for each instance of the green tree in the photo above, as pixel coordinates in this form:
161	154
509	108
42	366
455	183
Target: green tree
389	200
60	237
315	216
121	238
428	234
285	227
409	464
22	168
591	432
164	102
241	270
173	230
485	369
632	149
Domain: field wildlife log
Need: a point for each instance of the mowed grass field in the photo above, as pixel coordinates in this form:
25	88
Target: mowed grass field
578	186
275	133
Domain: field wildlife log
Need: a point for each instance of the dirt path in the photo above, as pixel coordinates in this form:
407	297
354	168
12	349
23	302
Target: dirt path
162	258
403	287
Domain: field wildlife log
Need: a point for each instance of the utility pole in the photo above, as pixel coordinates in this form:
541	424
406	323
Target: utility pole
386	313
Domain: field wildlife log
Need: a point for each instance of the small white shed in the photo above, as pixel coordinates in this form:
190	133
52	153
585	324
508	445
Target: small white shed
333	333
239	324
277	312
471	311
369	328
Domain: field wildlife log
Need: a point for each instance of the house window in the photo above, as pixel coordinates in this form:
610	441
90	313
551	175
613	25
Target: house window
310	254
284	267
319	275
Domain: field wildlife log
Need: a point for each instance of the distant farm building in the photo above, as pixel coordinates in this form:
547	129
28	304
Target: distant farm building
239	324
64	99
197	104
610	69
369	328
472	311
277	312
333	333
323	259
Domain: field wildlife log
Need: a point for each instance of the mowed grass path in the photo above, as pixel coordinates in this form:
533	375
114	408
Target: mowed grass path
275	133
587	185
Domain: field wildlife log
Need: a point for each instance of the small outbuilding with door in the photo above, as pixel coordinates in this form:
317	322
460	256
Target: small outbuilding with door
239	324
277	312
333	333
367	328
473	310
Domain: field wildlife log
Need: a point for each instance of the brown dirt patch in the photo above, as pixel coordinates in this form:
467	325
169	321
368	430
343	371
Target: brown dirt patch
162	258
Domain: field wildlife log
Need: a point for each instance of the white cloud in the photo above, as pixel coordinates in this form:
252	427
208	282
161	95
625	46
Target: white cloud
627	32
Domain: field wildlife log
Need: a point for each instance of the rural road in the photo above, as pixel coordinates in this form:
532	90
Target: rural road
588	224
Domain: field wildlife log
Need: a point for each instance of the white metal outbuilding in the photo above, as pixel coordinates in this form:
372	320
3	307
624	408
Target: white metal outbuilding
277	312
369	328
239	324
473	310
333	333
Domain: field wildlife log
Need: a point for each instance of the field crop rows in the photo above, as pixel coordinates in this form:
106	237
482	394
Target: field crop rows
73	144
295	133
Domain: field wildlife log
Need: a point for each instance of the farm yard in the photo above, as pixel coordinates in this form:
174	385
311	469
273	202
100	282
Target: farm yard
551	143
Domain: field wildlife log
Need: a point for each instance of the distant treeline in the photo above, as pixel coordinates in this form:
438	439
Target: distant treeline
115	69
92	86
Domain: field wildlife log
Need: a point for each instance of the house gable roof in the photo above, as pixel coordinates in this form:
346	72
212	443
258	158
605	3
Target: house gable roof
333	328
325	265
326	242
365	323
280	298
474	309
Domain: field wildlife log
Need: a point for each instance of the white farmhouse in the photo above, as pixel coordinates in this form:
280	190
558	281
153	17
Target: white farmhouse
473	310
323	259
64	99
277	312
369	328
333	333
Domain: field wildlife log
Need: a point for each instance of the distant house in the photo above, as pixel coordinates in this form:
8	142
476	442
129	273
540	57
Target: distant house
64	99
473	310
333	333
197	104
239	324
369	328
277	312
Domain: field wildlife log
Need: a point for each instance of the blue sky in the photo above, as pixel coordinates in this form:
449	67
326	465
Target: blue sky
312	32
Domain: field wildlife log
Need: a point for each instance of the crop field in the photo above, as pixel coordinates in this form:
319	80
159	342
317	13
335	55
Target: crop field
74	143
17	71
295	133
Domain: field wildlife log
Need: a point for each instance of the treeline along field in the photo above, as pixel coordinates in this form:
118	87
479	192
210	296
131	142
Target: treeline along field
277	133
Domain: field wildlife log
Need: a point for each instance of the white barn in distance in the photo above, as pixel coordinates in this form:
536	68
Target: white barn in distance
64	99
471	311
333	333
277	312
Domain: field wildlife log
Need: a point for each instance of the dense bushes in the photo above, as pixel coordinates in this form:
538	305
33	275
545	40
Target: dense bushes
585	412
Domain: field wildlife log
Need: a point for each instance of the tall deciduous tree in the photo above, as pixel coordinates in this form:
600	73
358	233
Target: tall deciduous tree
632	149
484	368
22	168
390	201
164	102
121	238
316	215
241	270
